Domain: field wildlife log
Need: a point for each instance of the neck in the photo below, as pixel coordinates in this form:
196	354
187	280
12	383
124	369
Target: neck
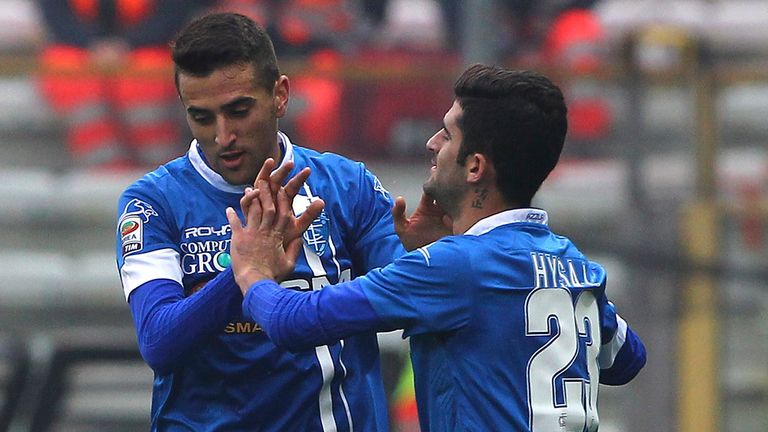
477	204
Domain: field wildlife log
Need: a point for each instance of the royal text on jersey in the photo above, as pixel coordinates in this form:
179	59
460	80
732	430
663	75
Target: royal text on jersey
204	249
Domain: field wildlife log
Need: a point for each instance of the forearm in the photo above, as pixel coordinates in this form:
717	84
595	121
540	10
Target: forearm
299	320
169	324
622	358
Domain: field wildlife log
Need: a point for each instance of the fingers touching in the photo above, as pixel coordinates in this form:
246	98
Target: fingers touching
275	177
234	220
295	184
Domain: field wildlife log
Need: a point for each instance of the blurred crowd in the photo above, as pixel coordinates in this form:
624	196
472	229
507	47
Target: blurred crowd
106	71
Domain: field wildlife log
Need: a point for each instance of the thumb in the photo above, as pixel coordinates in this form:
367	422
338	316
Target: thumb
398	211
310	214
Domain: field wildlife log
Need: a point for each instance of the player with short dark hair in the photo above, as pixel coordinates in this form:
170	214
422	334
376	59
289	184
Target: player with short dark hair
196	53
510	324
216	370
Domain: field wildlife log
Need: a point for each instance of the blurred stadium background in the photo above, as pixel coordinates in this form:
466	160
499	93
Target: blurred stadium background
664	180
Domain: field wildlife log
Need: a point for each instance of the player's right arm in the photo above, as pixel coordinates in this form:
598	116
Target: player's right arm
167	323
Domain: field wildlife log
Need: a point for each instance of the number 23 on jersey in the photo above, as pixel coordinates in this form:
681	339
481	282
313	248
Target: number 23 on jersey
559	400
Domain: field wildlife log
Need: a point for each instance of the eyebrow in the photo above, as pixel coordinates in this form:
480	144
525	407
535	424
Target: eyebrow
192	110
242	100
227	106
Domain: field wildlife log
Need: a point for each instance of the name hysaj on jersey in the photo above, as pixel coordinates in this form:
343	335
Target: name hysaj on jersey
553	271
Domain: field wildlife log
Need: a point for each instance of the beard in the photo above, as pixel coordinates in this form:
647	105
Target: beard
447	196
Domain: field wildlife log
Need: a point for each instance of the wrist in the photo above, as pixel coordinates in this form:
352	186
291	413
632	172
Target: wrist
246	279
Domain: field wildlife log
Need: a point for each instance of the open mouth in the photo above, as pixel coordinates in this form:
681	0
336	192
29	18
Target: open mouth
232	159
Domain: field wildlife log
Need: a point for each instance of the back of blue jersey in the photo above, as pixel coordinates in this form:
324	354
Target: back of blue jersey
507	324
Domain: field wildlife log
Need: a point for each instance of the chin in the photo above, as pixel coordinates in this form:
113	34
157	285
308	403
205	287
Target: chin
429	188
235	178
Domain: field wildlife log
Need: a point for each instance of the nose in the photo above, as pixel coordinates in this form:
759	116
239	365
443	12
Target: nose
432	142
225	134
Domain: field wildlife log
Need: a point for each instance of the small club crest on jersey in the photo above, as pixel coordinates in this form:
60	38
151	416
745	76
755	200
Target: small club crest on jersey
131	225
316	236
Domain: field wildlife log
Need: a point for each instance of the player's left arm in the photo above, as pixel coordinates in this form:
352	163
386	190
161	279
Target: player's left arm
297	320
416	292
421	292
622	353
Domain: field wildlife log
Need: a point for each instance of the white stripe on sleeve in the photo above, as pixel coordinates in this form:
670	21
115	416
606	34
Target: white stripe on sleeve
142	268
608	351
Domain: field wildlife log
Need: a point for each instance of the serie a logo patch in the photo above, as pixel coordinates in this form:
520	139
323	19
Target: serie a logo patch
131	225
131	234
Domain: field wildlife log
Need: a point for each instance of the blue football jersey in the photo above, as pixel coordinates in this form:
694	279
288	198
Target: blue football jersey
172	226
510	328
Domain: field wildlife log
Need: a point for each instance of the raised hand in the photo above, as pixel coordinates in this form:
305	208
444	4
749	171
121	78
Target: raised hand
427	224
260	249
275	179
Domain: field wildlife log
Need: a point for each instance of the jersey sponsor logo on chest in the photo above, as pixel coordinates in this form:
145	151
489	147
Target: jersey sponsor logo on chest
206	231
205	249
317	282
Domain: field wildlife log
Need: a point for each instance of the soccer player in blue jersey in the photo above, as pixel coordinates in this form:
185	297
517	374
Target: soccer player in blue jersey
510	324
216	370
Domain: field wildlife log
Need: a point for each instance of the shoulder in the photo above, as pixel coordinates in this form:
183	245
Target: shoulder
326	160
452	252
156	185
340	173
570	248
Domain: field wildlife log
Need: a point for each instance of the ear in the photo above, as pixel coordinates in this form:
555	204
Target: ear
282	92
478	168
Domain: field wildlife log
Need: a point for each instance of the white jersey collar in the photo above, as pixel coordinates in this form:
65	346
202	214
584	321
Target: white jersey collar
529	215
216	180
